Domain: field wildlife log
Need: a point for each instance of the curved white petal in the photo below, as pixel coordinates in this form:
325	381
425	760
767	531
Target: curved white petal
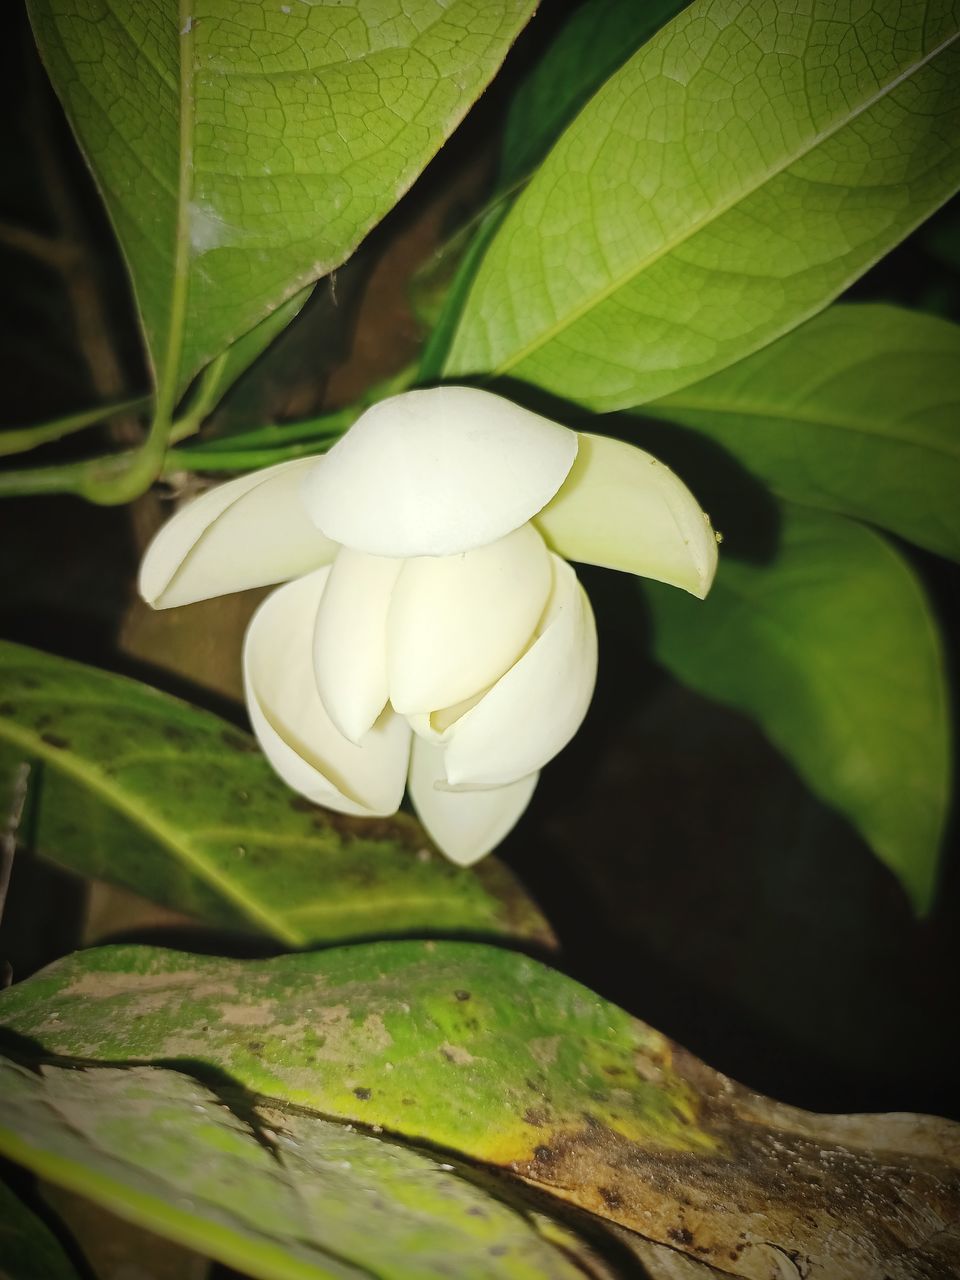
433	473
457	623
291	724
536	708
246	533
621	508
465	825
350	640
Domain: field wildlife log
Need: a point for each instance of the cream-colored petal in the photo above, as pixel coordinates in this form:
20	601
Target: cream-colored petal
433	473
292	725
457	623
464	825
536	708
249	532
621	508
350	640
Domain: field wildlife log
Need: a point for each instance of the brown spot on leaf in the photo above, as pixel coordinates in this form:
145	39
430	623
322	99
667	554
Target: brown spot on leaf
680	1234
462	995
363	1094
54	740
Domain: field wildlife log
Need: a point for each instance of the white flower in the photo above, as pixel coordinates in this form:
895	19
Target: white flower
429	631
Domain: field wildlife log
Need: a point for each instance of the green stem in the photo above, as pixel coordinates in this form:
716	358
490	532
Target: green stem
21	439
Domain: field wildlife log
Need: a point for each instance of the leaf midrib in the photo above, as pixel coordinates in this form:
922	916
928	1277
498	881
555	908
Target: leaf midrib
173	352
718	211
181	848
839	422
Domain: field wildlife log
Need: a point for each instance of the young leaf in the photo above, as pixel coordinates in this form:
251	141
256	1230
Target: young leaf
485	1052
28	1248
281	1196
855	412
732	178
244	151
832	648
596	39
140	789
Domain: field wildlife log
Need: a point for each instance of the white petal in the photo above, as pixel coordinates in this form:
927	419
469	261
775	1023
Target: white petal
291	724
621	508
350	640
247	533
432	473
536	708
464	825
457	623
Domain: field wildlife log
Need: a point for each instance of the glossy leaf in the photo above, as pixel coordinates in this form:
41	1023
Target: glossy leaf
28	1248
595	40
855	412
487	1053
833	649
281	1196
145	791
732	178
245	151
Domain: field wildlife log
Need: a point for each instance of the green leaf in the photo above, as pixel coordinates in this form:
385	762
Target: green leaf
232	363
141	789
244	151
28	1248
832	648
736	175
596	39
854	412
278	1195
485	1052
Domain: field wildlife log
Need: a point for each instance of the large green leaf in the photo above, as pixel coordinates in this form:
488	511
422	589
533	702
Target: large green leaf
595	40
857	411
832	648
143	790
28	1248
245	150
281	1196
745	166
487	1053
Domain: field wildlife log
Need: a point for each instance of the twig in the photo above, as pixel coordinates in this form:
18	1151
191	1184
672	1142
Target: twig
8	840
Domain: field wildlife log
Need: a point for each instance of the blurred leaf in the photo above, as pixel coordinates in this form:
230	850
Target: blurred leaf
240	355
245	151
485	1052
28	1248
833	649
739	172
279	1196
855	412
596	39
142	790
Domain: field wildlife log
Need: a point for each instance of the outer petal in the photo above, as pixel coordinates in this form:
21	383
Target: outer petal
350	640
290	721
536	708
433	473
247	533
457	623
621	508
465	825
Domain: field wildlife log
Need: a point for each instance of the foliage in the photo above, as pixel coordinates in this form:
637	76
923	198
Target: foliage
678	197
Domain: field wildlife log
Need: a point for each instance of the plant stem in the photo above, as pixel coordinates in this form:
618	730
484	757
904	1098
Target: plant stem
21	439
